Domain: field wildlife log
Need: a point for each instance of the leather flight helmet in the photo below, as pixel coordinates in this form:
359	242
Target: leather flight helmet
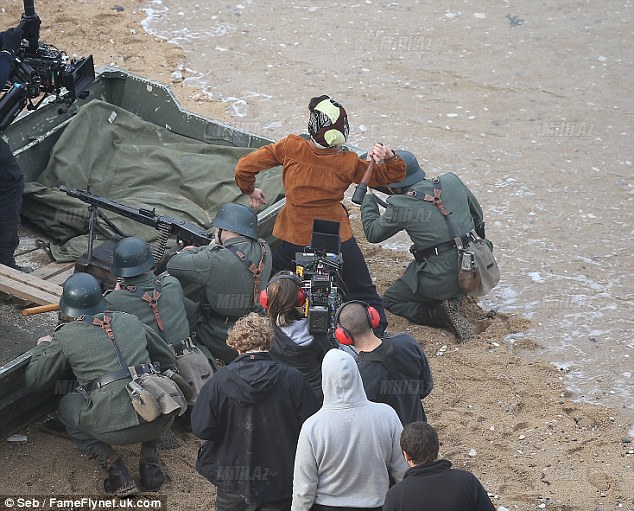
131	257
237	218
414	172
81	296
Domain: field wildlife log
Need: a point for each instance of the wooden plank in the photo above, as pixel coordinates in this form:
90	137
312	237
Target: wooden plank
33	289
60	278
30	294
51	270
9	274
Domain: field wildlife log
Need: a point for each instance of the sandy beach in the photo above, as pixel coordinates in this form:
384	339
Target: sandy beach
508	419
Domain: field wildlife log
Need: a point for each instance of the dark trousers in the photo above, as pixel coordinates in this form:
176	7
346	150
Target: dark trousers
354	272
9	241
99	445
233	502
11	188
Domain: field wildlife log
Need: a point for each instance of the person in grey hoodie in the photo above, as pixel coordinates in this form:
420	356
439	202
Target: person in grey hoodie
348	451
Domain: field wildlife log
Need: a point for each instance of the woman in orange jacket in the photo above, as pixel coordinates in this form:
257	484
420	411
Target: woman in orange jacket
316	174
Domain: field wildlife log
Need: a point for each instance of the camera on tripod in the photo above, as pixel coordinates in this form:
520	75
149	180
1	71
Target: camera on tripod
319	268
41	70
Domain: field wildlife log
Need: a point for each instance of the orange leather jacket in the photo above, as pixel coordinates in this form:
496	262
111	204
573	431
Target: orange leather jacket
315	181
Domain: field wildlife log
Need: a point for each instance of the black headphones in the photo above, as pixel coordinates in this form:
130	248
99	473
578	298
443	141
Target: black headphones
342	334
301	293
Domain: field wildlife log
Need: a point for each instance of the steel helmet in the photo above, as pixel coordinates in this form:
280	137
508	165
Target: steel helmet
81	296
131	257
414	173
237	218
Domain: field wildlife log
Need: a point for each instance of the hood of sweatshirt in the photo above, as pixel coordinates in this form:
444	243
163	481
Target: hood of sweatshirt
253	376
341	381
298	332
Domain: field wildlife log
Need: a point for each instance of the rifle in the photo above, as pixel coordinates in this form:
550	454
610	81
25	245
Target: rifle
185	232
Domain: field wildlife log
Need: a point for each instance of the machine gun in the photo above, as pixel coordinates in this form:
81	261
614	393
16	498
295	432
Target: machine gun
318	266
41	70
185	232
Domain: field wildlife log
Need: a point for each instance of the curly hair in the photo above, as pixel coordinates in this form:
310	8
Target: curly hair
251	332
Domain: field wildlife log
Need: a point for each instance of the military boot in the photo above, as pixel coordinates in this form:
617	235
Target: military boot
151	475
119	481
446	315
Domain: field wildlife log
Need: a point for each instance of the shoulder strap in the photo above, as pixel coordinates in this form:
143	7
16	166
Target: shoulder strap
437	201
152	301
256	271
105	326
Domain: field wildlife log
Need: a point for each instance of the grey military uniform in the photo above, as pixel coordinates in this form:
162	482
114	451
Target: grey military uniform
435	278
170	304
228	287
107	416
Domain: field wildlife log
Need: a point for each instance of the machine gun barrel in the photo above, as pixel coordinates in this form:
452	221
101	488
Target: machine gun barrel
189	233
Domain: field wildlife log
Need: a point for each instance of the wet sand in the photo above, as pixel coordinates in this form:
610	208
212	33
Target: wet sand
509	419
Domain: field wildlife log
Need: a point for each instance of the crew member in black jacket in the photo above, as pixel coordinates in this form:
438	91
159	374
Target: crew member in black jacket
11	177
251	413
394	370
294	345
430	483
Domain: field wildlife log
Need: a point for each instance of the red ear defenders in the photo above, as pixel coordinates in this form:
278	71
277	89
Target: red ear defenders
301	293
342	335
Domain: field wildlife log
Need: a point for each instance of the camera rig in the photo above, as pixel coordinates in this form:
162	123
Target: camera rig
319	268
39	69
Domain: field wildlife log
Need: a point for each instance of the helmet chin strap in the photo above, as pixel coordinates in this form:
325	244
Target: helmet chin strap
220	236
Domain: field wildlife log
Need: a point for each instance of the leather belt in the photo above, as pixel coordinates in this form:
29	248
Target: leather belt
423	253
117	375
209	313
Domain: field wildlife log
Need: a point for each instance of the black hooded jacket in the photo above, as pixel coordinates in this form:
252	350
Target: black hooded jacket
11	177
405	383
307	359
251	413
440	488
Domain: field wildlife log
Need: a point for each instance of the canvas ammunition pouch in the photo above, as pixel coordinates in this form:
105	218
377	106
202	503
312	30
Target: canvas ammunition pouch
193	366
478	271
483	273
155	394
151	393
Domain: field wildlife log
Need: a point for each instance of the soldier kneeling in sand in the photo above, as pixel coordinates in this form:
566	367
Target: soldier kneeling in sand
434	213
98	347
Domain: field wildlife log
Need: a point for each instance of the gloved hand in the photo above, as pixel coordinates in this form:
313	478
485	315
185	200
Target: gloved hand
12	39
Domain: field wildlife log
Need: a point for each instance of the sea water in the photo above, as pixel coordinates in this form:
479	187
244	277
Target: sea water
531	107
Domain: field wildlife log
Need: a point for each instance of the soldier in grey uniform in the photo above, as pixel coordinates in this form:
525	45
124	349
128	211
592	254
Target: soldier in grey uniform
232	270
428	293
101	414
156	301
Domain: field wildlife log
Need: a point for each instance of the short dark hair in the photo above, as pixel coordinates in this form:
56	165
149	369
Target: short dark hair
420	441
353	317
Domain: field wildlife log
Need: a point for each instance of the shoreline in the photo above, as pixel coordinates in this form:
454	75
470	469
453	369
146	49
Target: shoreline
533	443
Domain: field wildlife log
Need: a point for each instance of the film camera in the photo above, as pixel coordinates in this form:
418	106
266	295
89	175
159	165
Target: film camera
318	266
41	70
